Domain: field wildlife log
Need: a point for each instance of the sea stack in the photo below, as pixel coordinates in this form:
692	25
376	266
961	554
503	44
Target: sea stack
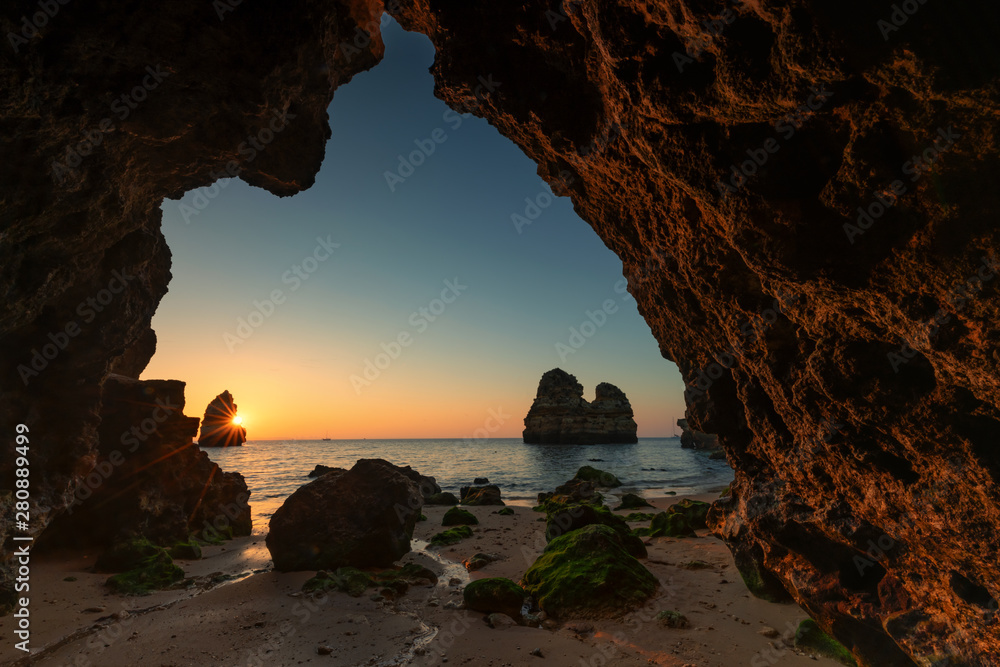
560	414
217	427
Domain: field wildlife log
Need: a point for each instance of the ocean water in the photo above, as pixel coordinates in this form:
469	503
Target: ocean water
275	468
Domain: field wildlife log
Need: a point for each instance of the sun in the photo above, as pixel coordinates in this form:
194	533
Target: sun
237	420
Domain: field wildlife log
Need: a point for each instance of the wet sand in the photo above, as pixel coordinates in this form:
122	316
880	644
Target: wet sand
260	617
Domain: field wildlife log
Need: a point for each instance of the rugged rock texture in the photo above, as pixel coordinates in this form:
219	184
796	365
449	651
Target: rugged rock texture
148	478
560	415
848	362
217	427
363	517
480	495
692	439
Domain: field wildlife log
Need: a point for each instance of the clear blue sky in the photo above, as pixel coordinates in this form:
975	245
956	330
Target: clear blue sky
519	294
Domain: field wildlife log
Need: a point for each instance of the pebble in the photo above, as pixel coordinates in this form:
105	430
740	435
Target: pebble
769	632
324	650
92	610
537	653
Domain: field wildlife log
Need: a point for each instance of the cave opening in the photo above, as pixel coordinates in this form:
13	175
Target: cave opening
418	289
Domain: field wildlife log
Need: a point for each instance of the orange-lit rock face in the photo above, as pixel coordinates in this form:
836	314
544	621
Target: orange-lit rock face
722	152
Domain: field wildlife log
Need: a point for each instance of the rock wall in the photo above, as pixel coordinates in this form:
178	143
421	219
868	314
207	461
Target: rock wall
801	193
560	415
695	439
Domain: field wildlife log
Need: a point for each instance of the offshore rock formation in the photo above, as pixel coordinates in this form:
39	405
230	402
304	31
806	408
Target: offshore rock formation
801	194
148	478
692	439
560	415
217	427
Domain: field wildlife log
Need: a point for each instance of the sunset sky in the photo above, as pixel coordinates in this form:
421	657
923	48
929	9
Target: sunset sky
515	295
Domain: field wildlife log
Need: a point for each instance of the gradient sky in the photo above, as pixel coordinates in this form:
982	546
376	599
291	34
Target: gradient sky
450	219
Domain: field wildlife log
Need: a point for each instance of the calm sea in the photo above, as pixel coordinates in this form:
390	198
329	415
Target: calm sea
275	468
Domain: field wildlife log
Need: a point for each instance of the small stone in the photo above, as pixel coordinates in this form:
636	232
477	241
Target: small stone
324	650
537	652
769	632
93	610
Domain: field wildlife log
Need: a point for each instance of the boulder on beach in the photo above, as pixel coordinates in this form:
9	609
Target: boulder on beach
695	439
695	512
480	481
598	477
457	516
574	517
445	498
495	594
480	495
217	426
667	524
560	414
588	573
573	491
631	501
321	469
363	517
428	485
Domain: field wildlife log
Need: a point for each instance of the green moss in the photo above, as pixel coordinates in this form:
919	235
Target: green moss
598	477
810	637
673	619
638	516
506	511
349	580
630	501
574	517
422	517
588	572
670	525
696	565
126	554
457	516
451	536
726	491
186	550
70	579
694	512
640	532
495	594
154	572
443	498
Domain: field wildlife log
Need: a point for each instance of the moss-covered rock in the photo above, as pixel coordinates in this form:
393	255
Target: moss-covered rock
574	517
479	561
443	498
694	512
451	536
598	477
630	501
153	572
588	572
126	554
457	516
349	580
667	524
422	517
809	637
638	516
495	594
641	532
506	511
672	619
186	550
480	495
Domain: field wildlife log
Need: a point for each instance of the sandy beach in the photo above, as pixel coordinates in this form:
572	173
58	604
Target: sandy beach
238	611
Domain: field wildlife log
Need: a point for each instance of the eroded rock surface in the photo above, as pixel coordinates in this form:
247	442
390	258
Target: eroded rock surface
828	294
217	426
560	414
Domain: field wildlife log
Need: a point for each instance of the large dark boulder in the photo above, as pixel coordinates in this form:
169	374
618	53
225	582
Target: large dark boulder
480	495
363	518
